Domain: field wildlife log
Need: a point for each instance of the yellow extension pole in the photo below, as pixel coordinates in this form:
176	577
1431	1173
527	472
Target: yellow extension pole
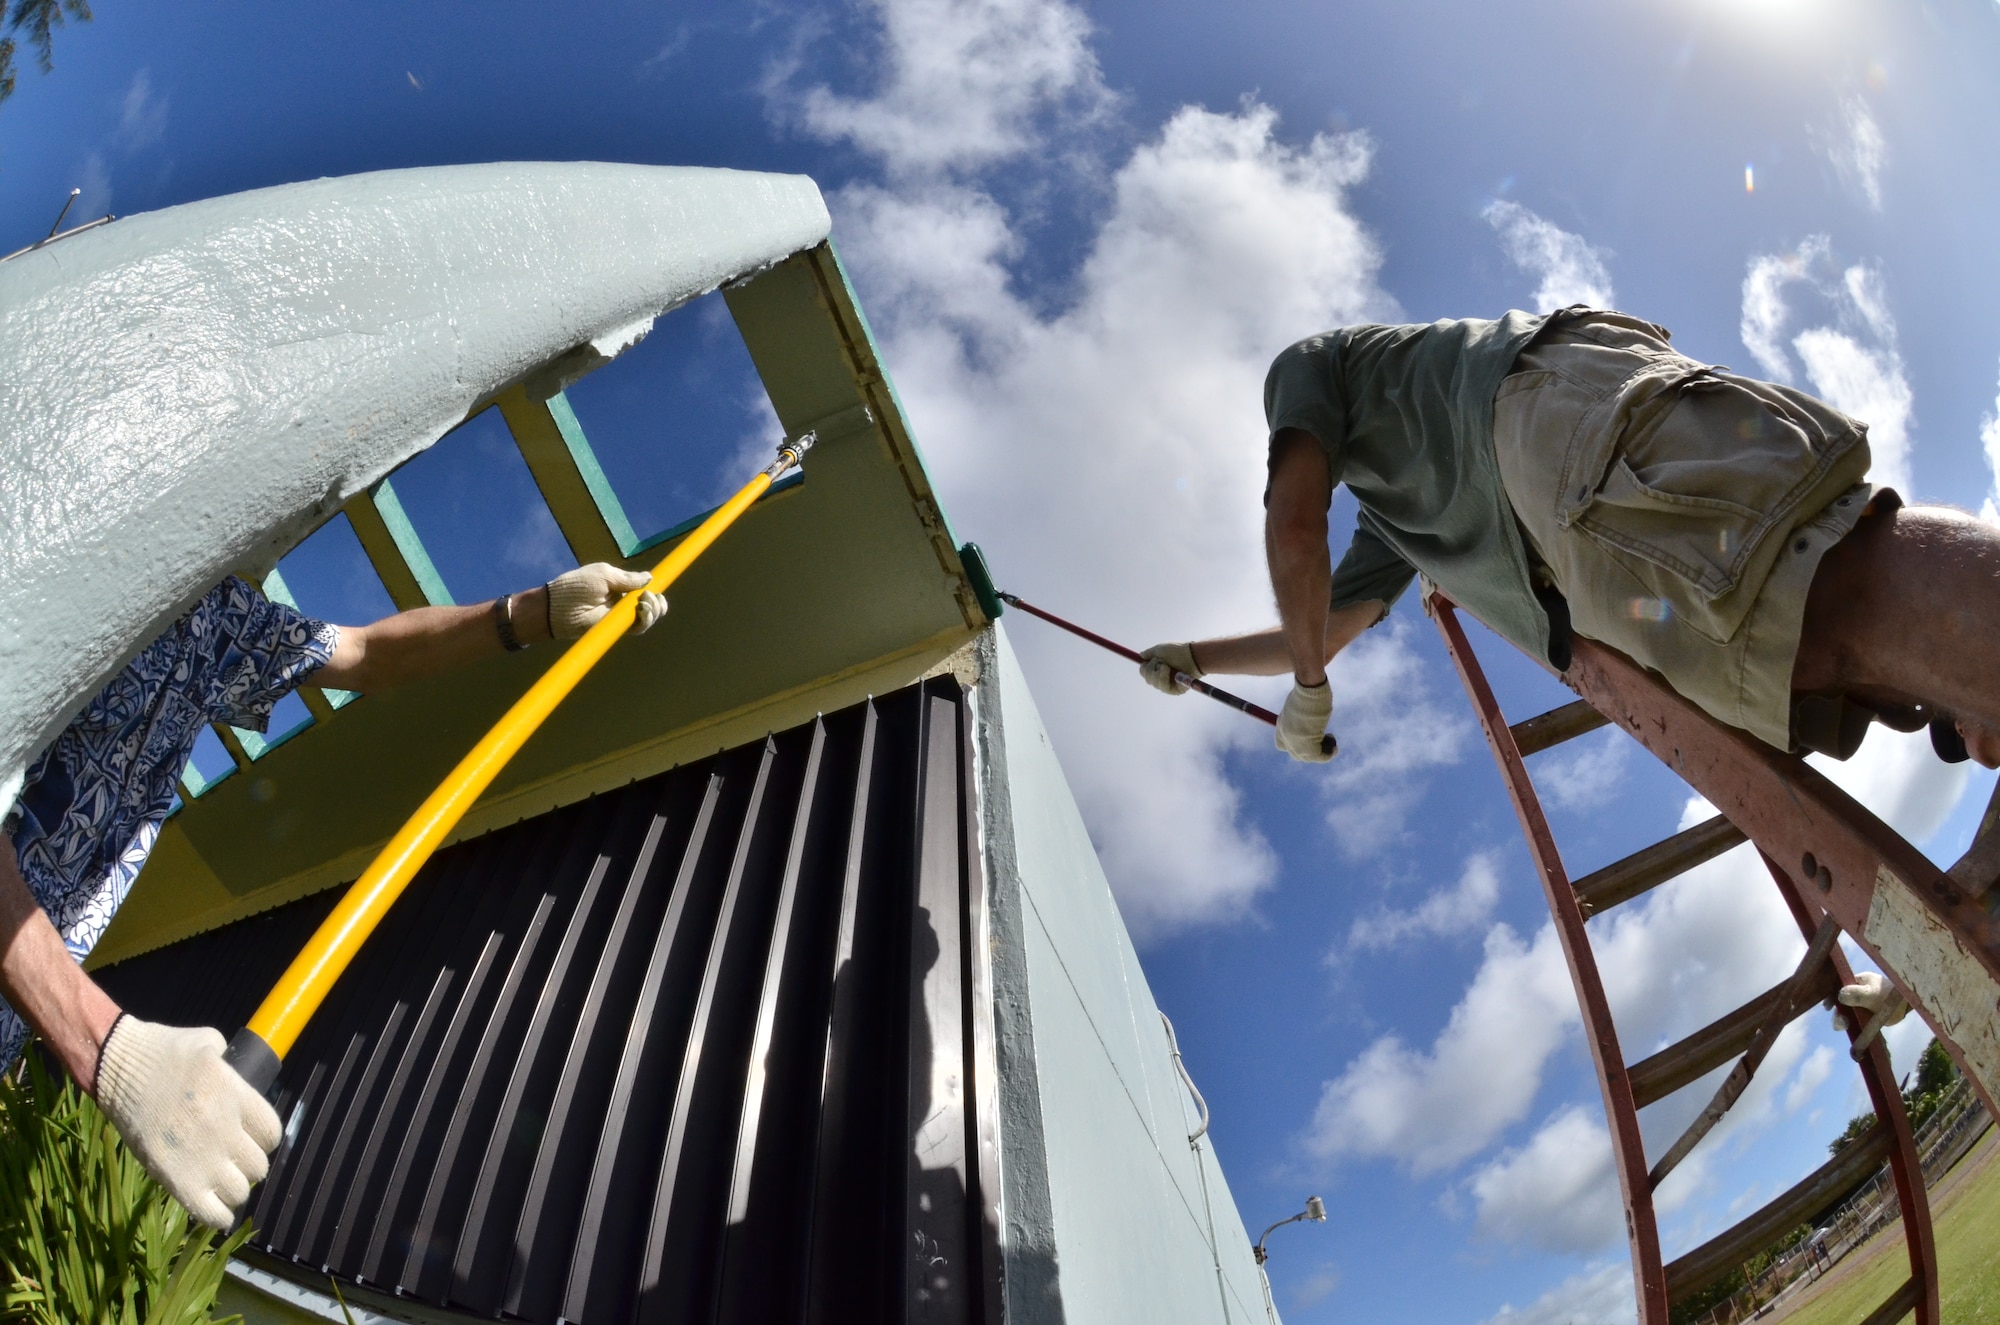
257	1050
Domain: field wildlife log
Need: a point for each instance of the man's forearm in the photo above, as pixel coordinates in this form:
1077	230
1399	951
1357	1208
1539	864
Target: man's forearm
1302	581
428	641
1265	652
43	983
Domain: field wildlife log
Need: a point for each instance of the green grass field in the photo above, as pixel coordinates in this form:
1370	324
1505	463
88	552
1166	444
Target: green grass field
1966	1216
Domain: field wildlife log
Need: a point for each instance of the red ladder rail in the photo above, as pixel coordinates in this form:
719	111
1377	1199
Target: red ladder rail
1732	772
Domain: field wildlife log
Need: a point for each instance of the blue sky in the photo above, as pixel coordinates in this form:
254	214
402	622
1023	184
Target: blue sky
1081	231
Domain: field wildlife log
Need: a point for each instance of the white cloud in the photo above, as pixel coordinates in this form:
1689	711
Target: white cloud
1857	149
1671	962
142	118
1599	1295
1432	1109
95	199
1316	1287
964	83
1568	270
1900	778
1846	343
1584	774
1109	453
1812	1074
1393	730
1989	438
1558	1193
1461	908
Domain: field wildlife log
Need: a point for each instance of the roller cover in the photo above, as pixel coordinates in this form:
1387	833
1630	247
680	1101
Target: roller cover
187	392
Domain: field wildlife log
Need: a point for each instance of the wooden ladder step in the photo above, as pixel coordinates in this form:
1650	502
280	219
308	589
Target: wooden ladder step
1536	734
1900	1304
1811	1196
1642	871
1689	1059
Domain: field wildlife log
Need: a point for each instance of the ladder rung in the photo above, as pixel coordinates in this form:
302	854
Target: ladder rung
1811	1196
1675	1066
1900	1304
1536	734
1623	880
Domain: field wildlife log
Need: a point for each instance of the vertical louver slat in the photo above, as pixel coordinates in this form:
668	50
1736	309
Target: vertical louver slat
362	1190
471	1119
543	1236
477	1265
694	1175
982	1095
600	1269
770	1217
935	1273
710	1047
410	1173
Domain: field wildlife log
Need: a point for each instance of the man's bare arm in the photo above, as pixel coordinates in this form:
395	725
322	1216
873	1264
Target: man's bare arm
427	641
44	984
1265	653
1295	545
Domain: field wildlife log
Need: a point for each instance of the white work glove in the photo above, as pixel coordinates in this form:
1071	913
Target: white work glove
1870	993
1302	724
578	599
1162	661
196	1125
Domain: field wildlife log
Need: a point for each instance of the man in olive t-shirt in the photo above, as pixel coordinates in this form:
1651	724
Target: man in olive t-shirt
1574	472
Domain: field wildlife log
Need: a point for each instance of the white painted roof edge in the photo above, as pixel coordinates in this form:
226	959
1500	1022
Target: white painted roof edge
189	391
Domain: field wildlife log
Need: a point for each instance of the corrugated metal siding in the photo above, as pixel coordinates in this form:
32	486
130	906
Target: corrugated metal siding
705	1048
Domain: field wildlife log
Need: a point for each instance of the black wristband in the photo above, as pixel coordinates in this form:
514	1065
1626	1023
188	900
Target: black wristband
503	623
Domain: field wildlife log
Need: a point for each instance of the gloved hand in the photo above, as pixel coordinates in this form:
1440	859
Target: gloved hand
1870	993
196	1125
578	599
1162	661
1303	722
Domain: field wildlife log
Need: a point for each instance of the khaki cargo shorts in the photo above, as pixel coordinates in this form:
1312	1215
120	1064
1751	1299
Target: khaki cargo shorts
1681	509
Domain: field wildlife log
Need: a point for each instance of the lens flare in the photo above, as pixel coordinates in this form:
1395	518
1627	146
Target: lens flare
1749	179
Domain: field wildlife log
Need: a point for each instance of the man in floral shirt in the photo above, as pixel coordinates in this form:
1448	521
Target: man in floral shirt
91	809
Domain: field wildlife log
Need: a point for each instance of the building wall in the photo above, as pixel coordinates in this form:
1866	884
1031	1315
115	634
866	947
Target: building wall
1111	1215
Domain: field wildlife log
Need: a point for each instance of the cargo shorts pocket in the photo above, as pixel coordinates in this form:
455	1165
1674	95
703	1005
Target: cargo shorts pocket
1700	475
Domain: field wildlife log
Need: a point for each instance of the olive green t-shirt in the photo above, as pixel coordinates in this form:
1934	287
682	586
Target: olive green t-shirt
1405	414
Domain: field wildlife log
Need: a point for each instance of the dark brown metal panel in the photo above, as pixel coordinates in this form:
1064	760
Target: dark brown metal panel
709	1047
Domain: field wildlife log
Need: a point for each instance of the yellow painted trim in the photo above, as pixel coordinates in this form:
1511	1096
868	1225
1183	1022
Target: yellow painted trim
555	470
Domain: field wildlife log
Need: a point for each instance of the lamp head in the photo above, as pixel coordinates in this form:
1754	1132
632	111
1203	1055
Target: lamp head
1315	1209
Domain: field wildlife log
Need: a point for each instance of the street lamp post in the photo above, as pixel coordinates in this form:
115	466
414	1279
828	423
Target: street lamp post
1315	1210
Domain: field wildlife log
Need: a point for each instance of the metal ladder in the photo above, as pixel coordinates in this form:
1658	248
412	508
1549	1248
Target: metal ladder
1840	870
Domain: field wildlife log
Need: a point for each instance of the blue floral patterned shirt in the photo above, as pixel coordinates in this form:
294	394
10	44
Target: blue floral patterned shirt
94	800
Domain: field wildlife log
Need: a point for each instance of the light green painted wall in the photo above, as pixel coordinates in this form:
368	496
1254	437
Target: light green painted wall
1112	1215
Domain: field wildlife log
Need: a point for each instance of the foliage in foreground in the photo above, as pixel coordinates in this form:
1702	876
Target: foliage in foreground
86	1236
